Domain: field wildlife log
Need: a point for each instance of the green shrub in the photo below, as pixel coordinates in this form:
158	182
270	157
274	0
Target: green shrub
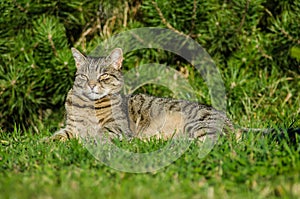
36	66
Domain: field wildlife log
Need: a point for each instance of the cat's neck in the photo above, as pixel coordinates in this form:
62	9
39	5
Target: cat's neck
112	97
116	100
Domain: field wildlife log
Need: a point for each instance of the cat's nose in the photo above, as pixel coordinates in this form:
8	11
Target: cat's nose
92	85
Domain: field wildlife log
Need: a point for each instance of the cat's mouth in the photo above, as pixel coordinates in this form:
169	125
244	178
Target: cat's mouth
95	95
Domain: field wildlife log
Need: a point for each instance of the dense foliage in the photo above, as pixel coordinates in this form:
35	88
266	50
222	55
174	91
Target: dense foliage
36	66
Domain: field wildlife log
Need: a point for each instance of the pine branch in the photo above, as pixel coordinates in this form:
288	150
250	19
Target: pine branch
164	21
284	32
263	53
52	44
21	8
244	16
125	14
288	36
106	29
194	17
83	36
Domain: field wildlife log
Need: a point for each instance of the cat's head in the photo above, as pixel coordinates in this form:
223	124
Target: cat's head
98	77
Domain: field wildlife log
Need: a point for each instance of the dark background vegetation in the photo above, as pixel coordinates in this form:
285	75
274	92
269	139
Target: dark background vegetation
246	39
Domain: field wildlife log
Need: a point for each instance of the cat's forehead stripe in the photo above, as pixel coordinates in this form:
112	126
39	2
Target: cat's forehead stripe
91	65
94	64
100	62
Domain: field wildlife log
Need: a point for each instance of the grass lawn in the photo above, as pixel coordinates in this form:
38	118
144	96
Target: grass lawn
255	167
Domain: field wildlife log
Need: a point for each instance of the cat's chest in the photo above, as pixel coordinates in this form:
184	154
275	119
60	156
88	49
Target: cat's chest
86	121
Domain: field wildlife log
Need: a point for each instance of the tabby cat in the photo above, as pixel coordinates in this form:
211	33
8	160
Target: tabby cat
96	104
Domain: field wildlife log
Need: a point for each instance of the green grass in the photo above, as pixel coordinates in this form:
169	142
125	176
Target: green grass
255	167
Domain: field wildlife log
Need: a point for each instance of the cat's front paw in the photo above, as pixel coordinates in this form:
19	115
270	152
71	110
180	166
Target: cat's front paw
54	138
61	136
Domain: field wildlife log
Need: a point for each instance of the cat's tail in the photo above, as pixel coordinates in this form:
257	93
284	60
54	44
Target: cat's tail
281	133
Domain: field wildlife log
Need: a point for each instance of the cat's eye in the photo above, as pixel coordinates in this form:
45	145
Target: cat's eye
81	76
104	77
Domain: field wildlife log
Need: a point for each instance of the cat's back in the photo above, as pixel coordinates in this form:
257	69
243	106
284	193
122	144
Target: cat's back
151	115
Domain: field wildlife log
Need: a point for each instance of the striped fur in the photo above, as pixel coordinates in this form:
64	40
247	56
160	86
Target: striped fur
95	105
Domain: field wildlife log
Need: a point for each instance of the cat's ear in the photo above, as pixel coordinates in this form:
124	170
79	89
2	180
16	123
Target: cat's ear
79	58
116	58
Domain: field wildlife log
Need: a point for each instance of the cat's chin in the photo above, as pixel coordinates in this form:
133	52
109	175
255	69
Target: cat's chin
96	96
